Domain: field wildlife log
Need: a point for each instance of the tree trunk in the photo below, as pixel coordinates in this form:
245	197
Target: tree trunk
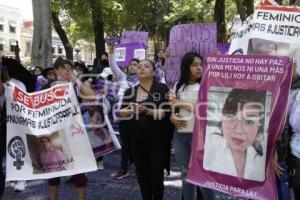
41	52
279	2
62	35
219	17
241	10
98	26
249	4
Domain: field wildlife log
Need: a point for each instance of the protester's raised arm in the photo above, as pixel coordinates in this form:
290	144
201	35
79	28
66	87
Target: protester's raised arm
119	74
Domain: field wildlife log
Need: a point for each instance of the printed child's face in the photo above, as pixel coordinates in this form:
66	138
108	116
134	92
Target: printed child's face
46	144
96	121
241	129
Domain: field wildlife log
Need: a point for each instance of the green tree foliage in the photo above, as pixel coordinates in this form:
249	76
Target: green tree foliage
188	11
154	16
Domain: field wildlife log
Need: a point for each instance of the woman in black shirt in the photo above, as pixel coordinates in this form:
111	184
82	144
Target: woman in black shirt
146	109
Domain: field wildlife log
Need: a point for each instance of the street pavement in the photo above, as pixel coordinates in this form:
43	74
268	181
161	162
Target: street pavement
100	185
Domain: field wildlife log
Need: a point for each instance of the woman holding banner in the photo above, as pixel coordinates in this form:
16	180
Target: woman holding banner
63	72
184	101
13	72
146	109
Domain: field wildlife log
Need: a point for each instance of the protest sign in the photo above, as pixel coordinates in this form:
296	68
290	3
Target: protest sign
101	139
241	112
199	38
107	92
126	52
271	30
111	41
135	37
45	130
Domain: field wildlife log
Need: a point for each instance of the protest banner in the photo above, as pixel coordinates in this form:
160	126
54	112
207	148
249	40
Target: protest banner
135	37
126	52
107	93
44	131
241	112
111	41
199	38
271	30
101	139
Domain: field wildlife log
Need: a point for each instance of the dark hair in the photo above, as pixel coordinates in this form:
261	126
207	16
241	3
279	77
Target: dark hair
151	62
104	53
185	71
45	137
238	98
157	58
110	77
38	67
60	61
95	62
92	110
17	71
82	67
135	59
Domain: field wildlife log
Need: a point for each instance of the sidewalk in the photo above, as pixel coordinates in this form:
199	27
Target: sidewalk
100	185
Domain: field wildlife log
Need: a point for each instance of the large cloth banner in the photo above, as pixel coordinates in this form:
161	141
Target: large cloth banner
271	30
242	109
46	136
199	38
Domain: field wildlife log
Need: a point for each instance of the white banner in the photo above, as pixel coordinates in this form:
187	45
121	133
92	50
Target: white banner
46	136
271	30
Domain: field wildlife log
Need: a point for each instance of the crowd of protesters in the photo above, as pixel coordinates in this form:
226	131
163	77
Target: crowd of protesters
151	131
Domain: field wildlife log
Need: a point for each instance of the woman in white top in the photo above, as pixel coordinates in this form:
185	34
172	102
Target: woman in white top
184	101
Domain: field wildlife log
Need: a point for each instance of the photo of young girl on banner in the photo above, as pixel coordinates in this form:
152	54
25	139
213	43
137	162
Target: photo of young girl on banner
102	141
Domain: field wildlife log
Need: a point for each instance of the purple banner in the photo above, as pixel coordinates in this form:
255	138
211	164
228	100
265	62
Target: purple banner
126	52
243	104
199	38
111	41
135	37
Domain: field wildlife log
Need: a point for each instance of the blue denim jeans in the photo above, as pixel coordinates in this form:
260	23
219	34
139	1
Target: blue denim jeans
182	143
283	183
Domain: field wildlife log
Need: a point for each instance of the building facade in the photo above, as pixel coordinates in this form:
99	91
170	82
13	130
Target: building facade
14	29
10	29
